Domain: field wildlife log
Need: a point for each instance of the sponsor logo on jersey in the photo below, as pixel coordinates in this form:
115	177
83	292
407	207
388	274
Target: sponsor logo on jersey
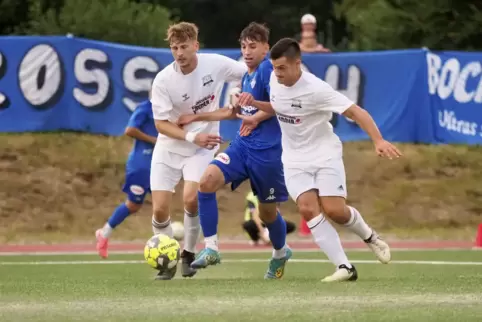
248	110
137	190
202	103
296	103
288	119
207	80
223	158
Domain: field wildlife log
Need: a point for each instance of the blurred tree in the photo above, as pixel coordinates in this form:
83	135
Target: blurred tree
221	21
120	21
436	24
12	13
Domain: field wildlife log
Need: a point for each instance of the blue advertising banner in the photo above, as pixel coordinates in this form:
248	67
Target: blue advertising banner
68	83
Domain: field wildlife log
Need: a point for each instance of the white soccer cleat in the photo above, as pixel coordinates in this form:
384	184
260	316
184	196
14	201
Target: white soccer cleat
379	247
342	274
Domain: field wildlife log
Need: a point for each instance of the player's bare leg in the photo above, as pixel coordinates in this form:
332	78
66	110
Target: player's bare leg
325	236
211	181
102	235
268	213
192	227
161	220
336	209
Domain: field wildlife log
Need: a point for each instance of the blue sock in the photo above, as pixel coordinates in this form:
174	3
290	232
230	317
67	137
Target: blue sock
208	213
277	232
119	215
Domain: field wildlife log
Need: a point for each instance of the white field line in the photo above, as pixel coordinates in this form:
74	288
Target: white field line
123	262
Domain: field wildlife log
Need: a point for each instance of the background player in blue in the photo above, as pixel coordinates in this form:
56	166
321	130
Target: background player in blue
255	154
138	167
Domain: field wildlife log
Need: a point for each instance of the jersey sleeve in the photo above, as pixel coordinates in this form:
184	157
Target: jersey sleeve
231	70
161	102
137	118
330	100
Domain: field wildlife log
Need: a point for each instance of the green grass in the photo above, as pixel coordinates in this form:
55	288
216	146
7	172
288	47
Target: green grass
66	288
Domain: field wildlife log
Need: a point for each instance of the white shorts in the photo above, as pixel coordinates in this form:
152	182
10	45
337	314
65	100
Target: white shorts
328	178
168	168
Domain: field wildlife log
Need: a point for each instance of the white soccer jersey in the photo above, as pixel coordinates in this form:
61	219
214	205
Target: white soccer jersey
175	94
304	111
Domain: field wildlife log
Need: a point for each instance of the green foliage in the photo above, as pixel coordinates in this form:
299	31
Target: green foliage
221	21
120	21
436	24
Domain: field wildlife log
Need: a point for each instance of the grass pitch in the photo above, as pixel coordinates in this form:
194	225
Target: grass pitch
416	286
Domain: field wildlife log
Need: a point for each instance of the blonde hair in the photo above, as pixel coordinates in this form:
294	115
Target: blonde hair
182	32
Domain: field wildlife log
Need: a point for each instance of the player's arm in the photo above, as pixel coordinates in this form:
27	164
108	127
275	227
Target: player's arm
265	110
135	133
162	107
257	220
366	122
225	113
136	120
334	101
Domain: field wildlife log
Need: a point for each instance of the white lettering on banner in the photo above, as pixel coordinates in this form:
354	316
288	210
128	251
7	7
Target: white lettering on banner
40	75
91	77
4	102
451	79
134	84
449	121
353	82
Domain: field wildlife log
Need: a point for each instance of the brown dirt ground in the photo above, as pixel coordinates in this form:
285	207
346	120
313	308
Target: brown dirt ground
62	186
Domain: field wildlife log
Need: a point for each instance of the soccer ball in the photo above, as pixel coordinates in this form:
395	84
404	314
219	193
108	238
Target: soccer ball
162	253
177	230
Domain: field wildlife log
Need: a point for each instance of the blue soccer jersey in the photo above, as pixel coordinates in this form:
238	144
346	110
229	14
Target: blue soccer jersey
256	157
268	133
138	166
141	153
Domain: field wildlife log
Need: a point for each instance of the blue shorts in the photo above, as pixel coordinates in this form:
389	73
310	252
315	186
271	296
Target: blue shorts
263	168
137	185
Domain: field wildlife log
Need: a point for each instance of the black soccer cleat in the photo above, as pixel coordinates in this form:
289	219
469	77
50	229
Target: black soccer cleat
186	259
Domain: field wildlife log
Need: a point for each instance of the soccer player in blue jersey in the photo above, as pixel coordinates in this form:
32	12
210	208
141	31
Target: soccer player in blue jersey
255	154
137	183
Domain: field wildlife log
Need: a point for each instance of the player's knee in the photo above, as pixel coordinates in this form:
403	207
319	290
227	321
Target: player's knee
190	202
308	210
211	180
133	207
268	212
160	213
335	213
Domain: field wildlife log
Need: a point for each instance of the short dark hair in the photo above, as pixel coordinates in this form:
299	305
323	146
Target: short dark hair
286	47
256	32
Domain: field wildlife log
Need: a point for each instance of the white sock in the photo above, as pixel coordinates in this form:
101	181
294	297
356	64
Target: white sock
192	228
279	253
164	228
328	239
212	242
357	225
107	230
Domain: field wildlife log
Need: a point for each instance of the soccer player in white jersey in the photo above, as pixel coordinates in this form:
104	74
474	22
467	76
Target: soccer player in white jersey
312	154
191	84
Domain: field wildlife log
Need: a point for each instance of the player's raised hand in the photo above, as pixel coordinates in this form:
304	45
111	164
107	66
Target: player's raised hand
207	141
387	150
186	119
245	99
248	125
